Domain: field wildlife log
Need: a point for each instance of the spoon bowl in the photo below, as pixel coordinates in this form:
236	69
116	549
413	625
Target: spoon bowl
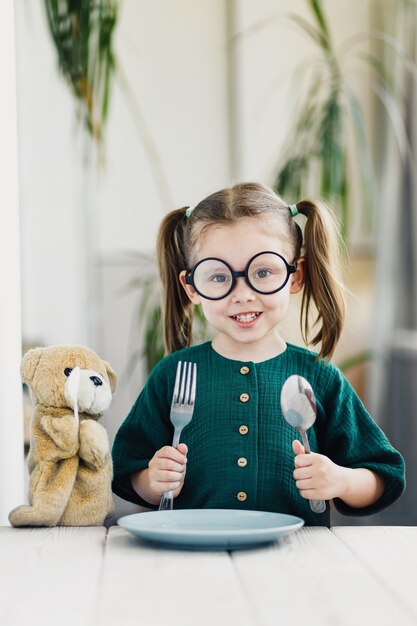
298	403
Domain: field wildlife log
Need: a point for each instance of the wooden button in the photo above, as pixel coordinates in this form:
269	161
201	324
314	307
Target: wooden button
244	397
244	370
242	462
241	496
243	429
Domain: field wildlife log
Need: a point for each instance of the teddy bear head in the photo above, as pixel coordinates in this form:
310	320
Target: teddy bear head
47	372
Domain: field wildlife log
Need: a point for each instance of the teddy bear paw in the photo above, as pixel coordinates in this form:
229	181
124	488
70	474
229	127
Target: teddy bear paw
26	515
94	444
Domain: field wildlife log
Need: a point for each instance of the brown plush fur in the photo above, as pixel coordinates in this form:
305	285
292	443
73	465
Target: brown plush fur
69	462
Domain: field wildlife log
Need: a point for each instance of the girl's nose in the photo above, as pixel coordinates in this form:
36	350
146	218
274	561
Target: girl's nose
242	292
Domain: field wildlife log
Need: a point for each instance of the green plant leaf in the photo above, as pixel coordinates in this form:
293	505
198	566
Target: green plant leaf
315	6
363	155
82	32
315	35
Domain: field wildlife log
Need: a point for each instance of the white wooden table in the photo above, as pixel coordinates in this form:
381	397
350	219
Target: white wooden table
349	576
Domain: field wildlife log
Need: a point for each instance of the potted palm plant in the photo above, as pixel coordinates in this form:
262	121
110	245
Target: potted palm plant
327	150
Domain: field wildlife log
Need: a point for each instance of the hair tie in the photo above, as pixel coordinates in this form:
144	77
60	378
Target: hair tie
293	209
189	211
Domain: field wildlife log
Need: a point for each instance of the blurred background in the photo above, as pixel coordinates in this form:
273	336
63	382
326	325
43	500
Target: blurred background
127	109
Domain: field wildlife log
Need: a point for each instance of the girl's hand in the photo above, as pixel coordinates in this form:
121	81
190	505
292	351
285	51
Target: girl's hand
166	470
316	476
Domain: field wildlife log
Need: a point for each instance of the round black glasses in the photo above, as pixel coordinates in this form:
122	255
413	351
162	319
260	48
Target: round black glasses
266	273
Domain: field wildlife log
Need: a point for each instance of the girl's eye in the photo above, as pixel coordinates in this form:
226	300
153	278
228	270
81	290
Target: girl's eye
218	278
263	273
67	371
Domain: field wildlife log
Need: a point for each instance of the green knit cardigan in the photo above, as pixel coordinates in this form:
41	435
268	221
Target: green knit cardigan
240	453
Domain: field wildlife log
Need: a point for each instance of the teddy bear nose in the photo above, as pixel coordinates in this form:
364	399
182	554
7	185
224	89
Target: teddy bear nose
96	380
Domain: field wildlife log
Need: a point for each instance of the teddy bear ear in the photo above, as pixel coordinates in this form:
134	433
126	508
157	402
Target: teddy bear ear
30	363
112	376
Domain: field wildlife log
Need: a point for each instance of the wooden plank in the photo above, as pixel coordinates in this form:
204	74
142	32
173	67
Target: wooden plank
390	553
143	584
312	577
50	576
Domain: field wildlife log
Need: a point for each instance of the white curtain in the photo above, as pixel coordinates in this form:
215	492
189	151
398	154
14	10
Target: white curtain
393	383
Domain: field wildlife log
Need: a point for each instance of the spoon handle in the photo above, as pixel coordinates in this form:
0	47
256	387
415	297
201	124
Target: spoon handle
304	438
317	506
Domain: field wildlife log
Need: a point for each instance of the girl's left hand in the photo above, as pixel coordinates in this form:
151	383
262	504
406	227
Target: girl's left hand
316	476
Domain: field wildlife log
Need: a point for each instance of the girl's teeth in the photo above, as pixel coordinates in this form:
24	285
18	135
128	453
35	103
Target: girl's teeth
246	318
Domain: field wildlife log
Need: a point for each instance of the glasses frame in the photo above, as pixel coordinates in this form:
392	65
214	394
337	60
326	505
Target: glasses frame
189	276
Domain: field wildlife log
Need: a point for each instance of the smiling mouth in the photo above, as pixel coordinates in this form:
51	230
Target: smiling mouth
246	317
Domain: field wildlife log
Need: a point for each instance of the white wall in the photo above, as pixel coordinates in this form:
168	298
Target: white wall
11	407
51	183
172	54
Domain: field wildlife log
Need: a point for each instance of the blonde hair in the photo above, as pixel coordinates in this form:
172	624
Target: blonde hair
178	239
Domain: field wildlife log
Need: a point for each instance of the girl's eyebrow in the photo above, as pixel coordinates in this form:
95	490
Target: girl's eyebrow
218	258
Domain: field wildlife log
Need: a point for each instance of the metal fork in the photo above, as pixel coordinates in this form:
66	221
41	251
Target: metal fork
182	408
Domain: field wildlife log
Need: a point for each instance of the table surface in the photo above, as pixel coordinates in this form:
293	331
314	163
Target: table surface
349	576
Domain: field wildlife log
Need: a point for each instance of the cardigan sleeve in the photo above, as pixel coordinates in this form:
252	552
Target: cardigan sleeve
351	438
145	430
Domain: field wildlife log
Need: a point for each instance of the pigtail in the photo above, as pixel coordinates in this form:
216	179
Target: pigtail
322	278
177	310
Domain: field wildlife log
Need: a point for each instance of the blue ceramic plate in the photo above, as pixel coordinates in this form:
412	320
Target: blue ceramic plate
210	529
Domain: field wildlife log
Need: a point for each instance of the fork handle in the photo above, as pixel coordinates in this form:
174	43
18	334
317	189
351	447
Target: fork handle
167	501
176	438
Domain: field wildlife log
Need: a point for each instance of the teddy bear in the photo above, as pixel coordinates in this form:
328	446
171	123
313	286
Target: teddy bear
69	458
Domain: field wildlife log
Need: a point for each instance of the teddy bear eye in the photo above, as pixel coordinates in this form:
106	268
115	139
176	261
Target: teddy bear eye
67	371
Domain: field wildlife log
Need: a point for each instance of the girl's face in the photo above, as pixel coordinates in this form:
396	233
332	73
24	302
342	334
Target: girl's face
245	320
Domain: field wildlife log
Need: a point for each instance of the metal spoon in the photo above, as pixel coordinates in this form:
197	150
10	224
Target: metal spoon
298	406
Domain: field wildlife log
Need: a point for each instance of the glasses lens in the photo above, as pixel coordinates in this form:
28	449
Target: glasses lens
267	273
212	278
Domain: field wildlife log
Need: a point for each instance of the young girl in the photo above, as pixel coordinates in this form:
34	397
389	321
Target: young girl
240	254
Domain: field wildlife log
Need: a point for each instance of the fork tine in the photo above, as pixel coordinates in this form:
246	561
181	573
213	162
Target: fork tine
193	387
186	398
183	382
175	395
